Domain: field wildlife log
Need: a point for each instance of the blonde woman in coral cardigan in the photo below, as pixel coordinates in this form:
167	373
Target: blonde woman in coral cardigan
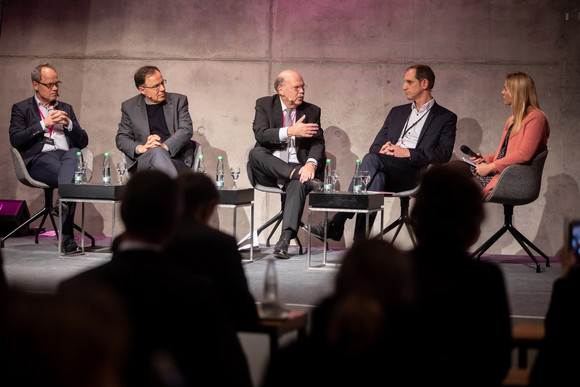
525	134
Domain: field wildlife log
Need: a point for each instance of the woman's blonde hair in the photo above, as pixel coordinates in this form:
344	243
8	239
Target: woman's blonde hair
522	90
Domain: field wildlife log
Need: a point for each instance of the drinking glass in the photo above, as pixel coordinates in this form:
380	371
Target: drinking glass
121	169
84	171
334	179
366	179
235	172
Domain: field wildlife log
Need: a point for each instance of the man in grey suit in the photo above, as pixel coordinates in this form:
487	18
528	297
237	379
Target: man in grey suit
155	128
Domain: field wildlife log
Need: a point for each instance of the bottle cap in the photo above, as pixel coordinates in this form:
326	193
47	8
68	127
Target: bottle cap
79	153
220	158
106	153
201	156
328	160
358	161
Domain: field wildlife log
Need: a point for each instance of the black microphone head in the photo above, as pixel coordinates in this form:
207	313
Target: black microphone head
465	149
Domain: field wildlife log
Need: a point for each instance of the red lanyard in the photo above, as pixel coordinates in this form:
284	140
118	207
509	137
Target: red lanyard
49	127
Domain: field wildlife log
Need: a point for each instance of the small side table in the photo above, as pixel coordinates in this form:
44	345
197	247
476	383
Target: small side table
87	193
363	203
292	320
234	198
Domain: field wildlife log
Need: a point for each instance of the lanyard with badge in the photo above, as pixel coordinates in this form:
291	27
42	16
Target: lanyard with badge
47	140
407	129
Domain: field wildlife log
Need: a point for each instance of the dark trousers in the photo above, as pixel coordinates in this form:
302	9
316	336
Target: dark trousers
54	168
268	170
388	173
158	158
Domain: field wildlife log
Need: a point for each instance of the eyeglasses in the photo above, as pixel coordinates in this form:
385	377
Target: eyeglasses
296	88
51	86
157	86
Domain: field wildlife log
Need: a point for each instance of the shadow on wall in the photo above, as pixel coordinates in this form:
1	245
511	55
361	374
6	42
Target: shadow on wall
561	190
469	133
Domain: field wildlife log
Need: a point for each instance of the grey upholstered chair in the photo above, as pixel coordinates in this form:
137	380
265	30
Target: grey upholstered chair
276	218
518	184
24	177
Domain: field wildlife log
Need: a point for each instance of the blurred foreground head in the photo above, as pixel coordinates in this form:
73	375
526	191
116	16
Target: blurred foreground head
448	209
151	204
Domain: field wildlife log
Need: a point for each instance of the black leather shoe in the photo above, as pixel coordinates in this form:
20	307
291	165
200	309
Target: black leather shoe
334	230
281	248
314	185
69	246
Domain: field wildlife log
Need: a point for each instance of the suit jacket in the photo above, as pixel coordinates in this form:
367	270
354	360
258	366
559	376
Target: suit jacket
530	141
469	298
170	311
436	140
26	133
269	119
204	250
134	127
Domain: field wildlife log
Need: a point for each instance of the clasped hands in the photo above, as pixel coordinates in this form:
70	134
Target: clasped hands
394	150
152	142
57	117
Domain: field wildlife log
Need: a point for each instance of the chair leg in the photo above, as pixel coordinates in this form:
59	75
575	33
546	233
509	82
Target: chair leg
30	220
403	220
518	236
86	234
273	230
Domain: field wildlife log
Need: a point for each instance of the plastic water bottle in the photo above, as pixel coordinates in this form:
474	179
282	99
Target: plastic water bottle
357	182
328	181
200	166
271	306
79	169
219	173
107	170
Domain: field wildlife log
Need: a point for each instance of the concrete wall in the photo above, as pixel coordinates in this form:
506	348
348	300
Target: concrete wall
352	54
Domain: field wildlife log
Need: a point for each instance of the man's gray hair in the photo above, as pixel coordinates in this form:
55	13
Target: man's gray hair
36	74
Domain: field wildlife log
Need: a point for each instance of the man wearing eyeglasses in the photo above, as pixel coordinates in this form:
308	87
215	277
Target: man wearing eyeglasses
48	136
155	128
289	150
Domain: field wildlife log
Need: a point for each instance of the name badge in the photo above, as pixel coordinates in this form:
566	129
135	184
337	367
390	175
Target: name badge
48	140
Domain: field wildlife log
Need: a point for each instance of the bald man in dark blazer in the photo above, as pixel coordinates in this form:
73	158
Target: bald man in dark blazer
289	151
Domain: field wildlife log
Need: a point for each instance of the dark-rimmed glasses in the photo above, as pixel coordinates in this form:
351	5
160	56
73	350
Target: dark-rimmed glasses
157	86
51	86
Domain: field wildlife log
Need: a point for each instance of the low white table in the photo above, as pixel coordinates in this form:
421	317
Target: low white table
363	203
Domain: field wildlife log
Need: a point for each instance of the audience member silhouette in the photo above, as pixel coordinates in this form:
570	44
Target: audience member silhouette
463	312
361	333
49	341
204	250
181	334
559	356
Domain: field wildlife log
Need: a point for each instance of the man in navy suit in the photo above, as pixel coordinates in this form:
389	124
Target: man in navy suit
289	150
155	128
48	136
413	136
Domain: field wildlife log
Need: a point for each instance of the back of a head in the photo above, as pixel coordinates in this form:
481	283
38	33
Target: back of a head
151	202
448	208
198	191
375	279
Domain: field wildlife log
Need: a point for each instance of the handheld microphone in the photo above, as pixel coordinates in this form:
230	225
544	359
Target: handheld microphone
467	150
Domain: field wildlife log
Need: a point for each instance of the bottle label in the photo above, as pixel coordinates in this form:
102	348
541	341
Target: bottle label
78	177
328	187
